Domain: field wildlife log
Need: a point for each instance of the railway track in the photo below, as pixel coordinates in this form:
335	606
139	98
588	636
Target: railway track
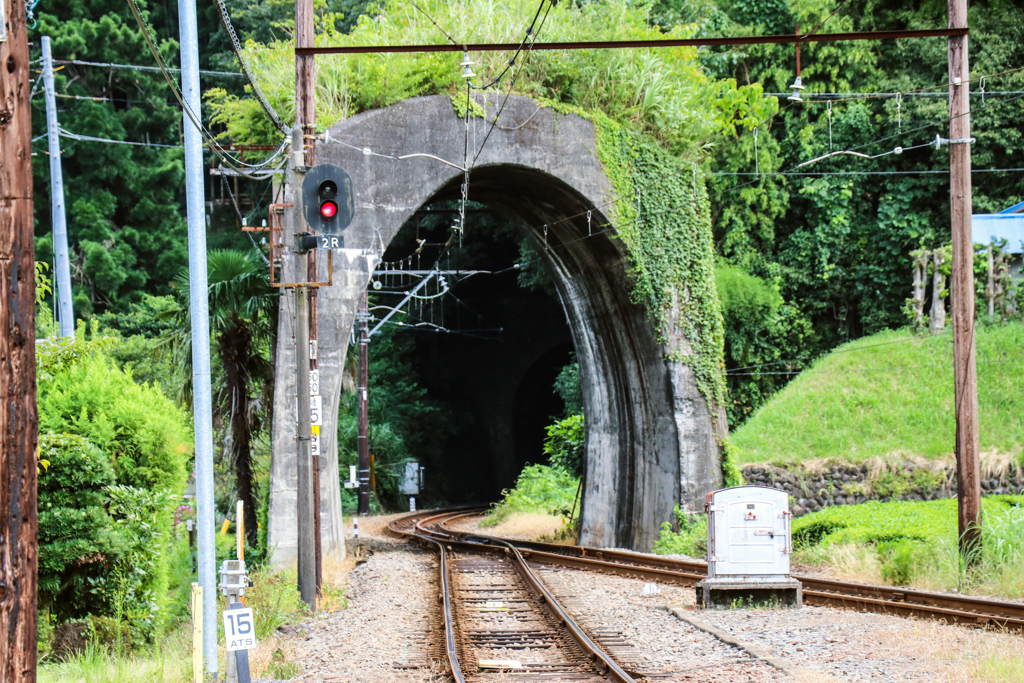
955	609
502	623
500	619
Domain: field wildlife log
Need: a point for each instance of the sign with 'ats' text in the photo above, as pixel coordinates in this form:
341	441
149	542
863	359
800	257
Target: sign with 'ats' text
239	629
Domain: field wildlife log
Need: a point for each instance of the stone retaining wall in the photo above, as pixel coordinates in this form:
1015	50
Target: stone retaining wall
815	489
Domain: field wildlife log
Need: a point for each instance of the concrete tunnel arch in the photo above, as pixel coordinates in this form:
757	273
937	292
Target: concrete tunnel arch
651	439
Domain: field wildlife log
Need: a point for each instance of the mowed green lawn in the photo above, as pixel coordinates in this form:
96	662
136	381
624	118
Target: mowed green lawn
890	394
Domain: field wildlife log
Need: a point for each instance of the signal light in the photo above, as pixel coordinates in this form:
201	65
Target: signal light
328	209
327	199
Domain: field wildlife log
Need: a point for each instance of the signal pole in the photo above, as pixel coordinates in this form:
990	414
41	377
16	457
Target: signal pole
363	444
309	465
965	373
18	418
60	226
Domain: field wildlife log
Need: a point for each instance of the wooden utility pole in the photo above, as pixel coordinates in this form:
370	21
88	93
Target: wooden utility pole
305	115
965	373
19	420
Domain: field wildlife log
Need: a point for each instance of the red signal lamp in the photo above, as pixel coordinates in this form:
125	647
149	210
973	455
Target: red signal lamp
328	209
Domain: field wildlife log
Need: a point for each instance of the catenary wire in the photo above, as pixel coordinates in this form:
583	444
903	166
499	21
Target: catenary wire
818	27
511	85
432	21
229	161
240	56
89	138
1013	359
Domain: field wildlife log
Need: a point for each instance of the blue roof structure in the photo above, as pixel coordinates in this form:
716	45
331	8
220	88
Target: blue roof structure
1008	224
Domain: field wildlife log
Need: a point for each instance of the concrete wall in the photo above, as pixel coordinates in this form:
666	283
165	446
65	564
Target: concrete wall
650	437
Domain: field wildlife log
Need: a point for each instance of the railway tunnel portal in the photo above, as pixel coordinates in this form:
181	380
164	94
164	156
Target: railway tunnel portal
651	438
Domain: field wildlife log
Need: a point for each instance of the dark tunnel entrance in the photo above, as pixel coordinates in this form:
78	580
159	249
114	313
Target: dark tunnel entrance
487	351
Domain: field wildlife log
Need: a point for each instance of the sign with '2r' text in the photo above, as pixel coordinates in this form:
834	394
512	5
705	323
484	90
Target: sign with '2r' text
239	629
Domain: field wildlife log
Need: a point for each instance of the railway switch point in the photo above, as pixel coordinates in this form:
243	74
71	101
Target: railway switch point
749	544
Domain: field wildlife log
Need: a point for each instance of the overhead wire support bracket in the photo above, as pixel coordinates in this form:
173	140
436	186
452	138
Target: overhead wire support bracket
625	44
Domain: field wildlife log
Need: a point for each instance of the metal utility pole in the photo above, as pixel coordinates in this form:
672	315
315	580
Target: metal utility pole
364	416
305	118
965	374
202	397
18	418
60	226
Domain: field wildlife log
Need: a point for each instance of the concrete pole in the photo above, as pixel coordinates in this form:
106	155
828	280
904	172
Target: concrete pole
305	116
363	445
202	397
60	226
965	372
307	546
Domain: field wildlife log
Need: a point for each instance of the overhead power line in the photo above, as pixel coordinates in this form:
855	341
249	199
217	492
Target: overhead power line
625	44
833	96
229	161
89	138
136	67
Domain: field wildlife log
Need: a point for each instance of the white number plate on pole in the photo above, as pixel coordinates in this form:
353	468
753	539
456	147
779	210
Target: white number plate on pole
315	410
239	629
314	382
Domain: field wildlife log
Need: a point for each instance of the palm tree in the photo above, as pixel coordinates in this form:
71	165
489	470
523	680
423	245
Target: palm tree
243	319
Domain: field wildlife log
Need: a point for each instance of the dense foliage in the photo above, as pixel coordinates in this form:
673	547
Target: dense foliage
564	445
243	323
908	537
837	242
664	93
125	229
117	452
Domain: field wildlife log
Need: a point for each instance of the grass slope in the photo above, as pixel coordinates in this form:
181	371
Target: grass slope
890	394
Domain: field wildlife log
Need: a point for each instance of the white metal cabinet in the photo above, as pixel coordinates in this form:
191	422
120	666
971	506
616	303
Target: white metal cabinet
749	533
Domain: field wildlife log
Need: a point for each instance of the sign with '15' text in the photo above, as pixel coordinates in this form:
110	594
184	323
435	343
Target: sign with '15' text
239	629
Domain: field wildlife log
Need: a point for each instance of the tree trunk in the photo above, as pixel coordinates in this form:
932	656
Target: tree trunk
235	354
938	314
920	273
990	288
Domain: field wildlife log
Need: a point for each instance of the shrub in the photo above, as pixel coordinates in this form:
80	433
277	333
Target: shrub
75	531
915	542
564	445
691	540
142	431
539	488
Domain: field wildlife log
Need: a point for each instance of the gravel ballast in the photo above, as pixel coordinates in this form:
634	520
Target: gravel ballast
392	598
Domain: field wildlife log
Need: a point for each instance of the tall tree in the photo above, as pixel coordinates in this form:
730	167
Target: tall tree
243	318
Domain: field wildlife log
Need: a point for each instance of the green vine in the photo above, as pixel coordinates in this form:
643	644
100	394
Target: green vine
731	470
667	232
459	103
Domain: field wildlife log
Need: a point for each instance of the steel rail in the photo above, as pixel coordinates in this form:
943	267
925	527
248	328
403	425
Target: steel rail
960	609
445	541
628	44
